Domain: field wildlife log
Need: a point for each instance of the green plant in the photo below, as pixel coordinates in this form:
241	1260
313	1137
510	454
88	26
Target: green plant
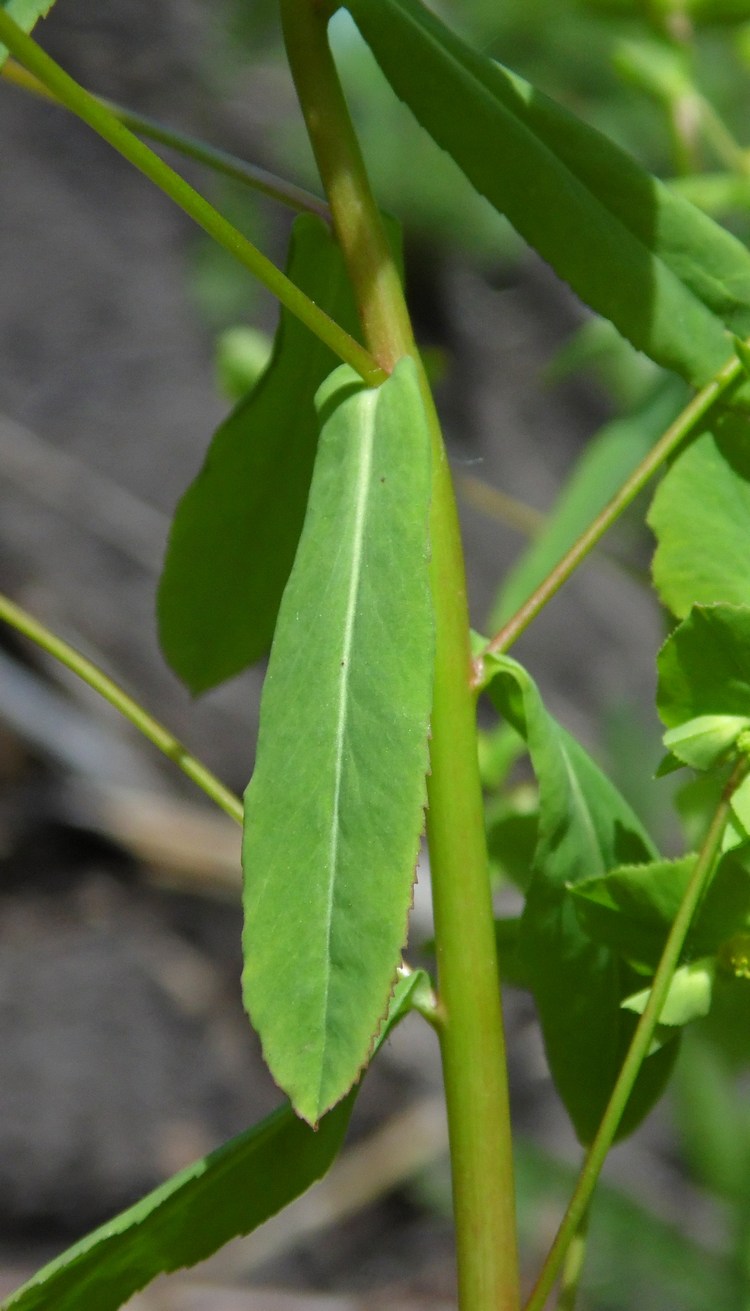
324	521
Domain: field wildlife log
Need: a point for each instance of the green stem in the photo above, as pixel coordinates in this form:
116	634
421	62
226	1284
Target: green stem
573	1266
716	132
714	193
682	120
638	1049
108	126
356	218
221	161
90	673
471	1032
684	426
498	505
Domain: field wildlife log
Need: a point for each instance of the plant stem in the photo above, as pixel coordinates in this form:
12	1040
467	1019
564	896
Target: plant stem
685	425
156	733
221	161
472	1039
356	219
573	1265
714	193
498	505
471	1032
639	1046
729	151
108	126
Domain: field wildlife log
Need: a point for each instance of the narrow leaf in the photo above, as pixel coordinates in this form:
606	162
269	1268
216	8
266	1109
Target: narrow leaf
603	223
228	1193
26	13
605	464
585	829
699	515
335	807
236	528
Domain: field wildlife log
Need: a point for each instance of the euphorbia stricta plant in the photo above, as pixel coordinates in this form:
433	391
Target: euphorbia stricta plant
322	528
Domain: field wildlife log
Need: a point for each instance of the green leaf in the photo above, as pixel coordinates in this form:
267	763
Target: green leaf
603	223
334	810
26	13
605	464
585	828
512	824
725	908
699	516
689	995
696	11
509	955
498	750
192	1215
229	1192
242	355
706	740
236	528
704	666
631	909
740	803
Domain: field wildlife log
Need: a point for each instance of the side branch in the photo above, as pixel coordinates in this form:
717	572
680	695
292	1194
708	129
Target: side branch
107	125
156	733
221	161
686	425
638	1049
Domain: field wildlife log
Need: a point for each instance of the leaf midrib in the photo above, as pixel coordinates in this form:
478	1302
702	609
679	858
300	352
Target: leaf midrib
366	447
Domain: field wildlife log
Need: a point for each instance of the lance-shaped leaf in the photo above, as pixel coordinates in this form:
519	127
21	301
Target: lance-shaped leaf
334	810
585	828
26	13
192	1215
605	464
236	529
602	222
699	516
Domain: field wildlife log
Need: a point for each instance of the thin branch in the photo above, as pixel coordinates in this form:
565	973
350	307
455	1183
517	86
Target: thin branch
156	733
639	1045
573	1266
107	125
684	426
498	505
221	161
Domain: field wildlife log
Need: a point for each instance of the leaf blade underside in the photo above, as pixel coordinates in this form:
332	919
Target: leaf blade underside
334	810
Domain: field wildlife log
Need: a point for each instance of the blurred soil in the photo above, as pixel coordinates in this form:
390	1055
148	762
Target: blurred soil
123	1049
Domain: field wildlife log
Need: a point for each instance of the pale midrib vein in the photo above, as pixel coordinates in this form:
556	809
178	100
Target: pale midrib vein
583	811
367	445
